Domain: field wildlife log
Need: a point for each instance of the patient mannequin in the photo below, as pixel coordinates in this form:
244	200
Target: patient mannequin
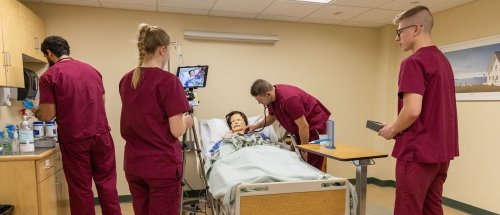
237	122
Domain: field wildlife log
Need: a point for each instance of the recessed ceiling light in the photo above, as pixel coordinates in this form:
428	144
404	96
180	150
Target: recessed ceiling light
316	1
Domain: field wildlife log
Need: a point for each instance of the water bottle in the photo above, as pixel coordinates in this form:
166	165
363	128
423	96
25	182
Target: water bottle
330	127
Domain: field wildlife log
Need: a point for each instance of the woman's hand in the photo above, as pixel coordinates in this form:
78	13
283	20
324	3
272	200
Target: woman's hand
188	120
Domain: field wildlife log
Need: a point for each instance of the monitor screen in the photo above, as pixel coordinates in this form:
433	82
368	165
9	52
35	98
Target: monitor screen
193	76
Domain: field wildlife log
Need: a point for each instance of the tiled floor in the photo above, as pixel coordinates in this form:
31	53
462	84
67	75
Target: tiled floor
380	201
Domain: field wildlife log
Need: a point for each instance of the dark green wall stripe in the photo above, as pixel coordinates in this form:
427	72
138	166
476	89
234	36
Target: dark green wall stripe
128	198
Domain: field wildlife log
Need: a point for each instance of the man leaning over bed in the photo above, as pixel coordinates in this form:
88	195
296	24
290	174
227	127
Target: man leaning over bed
298	112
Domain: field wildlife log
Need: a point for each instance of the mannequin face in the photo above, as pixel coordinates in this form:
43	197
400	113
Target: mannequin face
237	123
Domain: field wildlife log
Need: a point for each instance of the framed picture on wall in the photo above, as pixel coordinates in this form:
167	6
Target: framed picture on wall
476	66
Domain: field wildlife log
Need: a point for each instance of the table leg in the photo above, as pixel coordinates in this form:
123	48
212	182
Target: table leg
361	180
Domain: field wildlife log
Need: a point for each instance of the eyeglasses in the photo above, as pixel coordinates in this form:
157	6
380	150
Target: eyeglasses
398	31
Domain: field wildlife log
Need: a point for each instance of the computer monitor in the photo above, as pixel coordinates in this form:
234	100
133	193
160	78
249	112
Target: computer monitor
193	76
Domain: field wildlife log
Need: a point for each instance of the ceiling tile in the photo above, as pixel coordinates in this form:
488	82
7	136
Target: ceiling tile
187	4
246	6
377	16
233	14
345	13
447	5
360	3
407	4
277	17
363	24
129	6
183	10
288	8
320	21
365	13
89	3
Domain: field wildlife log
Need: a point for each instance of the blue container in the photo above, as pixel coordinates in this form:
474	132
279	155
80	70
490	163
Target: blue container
38	129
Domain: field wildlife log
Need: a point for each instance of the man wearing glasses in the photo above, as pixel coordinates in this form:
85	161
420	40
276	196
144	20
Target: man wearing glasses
425	130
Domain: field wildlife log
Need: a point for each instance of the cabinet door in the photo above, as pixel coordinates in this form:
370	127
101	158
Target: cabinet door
62	194
32	33
3	57
47	196
9	10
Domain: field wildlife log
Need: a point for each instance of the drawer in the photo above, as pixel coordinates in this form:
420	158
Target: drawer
45	167
58	158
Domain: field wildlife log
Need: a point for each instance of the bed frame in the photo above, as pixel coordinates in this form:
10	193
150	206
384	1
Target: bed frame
292	198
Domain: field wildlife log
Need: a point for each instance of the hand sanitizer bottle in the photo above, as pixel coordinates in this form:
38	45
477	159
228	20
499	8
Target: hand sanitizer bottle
15	144
26	139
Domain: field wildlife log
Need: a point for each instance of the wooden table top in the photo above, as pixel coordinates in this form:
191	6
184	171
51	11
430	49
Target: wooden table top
342	152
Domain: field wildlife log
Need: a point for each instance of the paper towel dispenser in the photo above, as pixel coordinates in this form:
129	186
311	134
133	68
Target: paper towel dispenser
30	89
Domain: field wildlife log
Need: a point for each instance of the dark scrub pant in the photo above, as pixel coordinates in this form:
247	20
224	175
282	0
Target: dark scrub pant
83	160
155	196
313	159
419	187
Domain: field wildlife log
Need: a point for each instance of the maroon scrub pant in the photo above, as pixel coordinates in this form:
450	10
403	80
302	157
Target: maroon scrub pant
419	187
155	196
313	159
83	160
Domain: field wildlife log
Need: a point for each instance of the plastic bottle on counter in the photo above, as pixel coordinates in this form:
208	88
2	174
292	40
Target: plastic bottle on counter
38	129
15	144
7	144
50	129
26	139
1	142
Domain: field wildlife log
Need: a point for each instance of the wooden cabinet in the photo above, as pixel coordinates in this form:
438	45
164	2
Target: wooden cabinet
11	70
34	184
61	188
32	33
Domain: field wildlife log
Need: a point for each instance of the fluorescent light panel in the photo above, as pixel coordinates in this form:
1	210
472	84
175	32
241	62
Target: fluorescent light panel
205	35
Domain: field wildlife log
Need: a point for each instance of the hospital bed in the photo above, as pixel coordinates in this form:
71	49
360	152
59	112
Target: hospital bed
322	196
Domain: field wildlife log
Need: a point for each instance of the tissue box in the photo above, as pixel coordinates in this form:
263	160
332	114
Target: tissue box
45	143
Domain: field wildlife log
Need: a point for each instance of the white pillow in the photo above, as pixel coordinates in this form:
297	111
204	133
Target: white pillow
218	128
254	119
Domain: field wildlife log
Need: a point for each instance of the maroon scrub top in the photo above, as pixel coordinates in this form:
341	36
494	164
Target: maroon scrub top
433	137
291	103
151	150
77	91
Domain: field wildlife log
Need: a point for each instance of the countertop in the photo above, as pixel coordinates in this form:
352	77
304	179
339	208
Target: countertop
38	154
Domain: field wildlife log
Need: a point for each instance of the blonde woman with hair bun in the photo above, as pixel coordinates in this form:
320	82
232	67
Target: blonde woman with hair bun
152	119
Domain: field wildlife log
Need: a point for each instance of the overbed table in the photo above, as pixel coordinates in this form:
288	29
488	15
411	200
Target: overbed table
359	156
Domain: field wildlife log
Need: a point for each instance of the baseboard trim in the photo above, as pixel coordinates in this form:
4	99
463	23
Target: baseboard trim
371	180
446	201
128	198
